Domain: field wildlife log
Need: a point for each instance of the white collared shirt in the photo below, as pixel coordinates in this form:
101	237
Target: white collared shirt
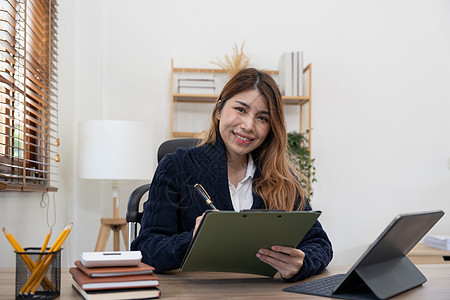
241	196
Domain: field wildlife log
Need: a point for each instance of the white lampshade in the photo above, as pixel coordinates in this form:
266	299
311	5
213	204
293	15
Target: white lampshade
115	150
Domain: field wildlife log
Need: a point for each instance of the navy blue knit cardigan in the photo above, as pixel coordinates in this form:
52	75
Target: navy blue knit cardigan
173	205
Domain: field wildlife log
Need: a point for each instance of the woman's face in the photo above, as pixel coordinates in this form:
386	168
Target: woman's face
244	123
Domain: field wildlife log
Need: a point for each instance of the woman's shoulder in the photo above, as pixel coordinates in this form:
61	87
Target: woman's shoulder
198	159
186	153
183	156
204	151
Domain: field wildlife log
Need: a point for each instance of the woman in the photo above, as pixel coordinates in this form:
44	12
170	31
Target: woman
243	164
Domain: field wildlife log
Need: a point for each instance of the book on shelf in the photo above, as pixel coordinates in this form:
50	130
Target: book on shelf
117	282
438	241
295	74
196	90
140	269
137	293
285	74
291	73
299	72
196	84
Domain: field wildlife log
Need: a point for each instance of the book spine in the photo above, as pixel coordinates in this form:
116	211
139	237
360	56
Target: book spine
288	74
281	75
295	82
300	74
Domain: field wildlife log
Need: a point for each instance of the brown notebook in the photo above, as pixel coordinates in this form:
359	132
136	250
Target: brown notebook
140	269
117	282
137	293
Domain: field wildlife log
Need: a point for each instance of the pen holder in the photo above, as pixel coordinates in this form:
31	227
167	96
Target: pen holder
50	285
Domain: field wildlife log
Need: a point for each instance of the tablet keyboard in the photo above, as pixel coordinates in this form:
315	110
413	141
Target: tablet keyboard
323	286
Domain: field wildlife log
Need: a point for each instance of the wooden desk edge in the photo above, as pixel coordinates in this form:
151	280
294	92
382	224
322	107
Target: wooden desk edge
204	285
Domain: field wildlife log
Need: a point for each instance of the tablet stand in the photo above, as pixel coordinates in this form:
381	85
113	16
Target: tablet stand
384	279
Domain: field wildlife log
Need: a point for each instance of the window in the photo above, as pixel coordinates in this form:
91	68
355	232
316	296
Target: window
28	95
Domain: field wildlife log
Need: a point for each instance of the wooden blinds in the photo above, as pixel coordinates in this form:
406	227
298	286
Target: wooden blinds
28	95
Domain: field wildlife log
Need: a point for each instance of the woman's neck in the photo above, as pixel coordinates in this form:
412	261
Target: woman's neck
237	167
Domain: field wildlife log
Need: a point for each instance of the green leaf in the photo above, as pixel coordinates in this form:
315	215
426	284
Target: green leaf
299	145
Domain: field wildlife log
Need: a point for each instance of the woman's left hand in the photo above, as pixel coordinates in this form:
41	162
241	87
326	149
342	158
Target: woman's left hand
286	260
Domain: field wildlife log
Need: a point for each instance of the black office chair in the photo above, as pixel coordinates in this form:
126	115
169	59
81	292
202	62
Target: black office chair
134	216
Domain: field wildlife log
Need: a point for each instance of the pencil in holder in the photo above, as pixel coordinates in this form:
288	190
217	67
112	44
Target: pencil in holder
32	258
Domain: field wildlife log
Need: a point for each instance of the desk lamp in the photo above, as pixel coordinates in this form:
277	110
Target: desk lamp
114	151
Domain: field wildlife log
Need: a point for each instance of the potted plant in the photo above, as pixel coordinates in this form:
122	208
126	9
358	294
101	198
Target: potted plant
299	145
237	62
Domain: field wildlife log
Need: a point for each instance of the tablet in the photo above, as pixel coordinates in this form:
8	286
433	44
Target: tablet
111	259
383	270
228	241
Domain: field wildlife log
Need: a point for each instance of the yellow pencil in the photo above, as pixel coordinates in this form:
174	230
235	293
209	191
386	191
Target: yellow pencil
48	262
41	268
26	258
27	286
50	286
48	259
44	246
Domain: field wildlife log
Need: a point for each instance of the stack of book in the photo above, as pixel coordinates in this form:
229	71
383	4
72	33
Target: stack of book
135	282
438	241
196	86
290	72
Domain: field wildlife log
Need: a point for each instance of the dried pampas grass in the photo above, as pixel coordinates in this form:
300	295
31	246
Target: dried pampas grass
237	62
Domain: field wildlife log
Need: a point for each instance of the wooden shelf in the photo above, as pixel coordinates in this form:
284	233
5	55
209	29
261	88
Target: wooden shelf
205	98
197	70
179	134
292	100
303	102
217	71
195	98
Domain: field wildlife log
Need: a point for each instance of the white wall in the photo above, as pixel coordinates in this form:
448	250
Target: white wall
380	99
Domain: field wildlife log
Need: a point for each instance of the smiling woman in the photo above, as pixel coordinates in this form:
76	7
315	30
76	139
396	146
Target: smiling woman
243	163
28	95
243	124
256	98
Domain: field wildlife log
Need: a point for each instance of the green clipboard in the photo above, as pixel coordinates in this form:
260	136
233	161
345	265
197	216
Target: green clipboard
228	241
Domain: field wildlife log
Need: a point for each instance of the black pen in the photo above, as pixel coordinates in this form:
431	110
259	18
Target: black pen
205	195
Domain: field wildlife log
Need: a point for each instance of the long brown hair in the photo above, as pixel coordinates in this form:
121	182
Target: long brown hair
279	184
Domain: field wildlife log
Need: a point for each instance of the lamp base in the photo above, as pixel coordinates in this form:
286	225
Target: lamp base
116	225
